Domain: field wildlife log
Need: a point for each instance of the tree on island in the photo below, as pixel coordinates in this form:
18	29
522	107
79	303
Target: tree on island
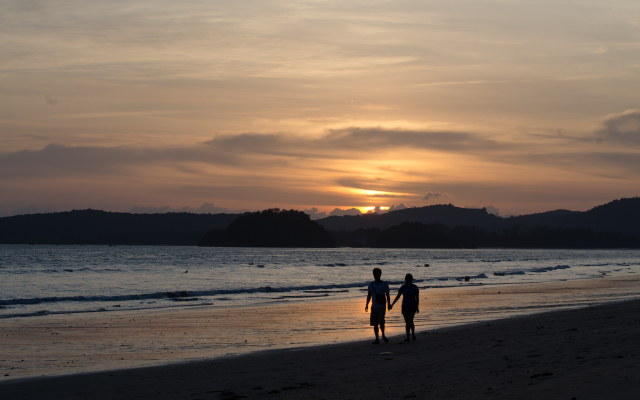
270	228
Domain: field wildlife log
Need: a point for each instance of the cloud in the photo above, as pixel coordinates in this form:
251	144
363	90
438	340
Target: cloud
274	195
353	211
257	151
392	187
314	214
57	159
351	143
338	212
356	141
623	128
253	170
111	100
432	195
492	210
400	206
387	195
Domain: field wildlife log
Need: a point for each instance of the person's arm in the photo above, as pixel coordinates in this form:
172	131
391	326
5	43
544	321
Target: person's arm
417	300
366	307
396	299
387	293
388	301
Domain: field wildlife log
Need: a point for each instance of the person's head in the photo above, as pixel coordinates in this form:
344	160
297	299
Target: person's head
377	273
408	279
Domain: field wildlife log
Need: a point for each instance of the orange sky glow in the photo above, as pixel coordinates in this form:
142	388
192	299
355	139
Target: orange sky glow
221	106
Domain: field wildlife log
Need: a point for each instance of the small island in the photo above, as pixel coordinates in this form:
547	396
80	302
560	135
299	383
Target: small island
270	228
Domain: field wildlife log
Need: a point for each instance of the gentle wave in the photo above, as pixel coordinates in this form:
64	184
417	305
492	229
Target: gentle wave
192	295
509	273
91	310
176	295
63	270
548	269
183	294
300	296
533	270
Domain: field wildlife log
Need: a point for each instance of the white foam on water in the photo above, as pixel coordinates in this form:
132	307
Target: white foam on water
35	280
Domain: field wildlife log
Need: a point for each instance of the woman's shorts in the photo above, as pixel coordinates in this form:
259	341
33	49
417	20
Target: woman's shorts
409	311
377	315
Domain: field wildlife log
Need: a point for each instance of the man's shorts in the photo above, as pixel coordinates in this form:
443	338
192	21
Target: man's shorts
377	315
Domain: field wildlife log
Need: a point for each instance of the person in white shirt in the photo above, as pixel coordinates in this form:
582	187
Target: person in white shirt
379	293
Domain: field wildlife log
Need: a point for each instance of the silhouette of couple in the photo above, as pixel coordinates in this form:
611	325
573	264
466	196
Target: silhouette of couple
378	294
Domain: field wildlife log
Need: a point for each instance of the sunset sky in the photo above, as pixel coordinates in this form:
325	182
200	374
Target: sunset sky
524	106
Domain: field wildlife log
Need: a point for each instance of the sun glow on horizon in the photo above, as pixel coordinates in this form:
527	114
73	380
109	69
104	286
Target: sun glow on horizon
365	210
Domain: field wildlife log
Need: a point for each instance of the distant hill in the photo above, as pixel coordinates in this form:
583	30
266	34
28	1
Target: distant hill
618	216
436	235
102	227
270	228
448	215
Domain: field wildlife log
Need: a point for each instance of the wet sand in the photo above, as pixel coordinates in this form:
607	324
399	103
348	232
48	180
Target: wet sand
79	343
587	353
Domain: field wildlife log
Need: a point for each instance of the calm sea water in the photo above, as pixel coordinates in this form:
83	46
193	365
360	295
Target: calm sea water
40	280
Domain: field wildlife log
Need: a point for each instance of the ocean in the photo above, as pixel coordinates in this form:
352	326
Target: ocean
45	280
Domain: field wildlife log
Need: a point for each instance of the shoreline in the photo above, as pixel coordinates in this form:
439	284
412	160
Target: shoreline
589	352
58	345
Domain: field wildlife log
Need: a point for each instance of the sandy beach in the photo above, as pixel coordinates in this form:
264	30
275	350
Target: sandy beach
62	344
590	352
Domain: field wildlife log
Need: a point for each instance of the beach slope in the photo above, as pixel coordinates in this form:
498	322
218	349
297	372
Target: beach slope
588	353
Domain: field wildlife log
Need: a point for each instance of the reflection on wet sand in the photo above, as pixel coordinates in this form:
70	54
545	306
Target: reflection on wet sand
63	344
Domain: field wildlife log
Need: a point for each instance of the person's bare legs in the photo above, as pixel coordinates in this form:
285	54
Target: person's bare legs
411	326
382	330
407	326
375	330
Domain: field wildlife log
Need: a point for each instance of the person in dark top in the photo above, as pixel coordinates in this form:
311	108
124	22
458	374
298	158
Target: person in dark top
378	293
410	304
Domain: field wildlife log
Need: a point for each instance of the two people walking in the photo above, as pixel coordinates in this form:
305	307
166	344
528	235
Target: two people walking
378	294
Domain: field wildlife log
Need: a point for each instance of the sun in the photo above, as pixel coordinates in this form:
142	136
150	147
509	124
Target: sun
365	210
